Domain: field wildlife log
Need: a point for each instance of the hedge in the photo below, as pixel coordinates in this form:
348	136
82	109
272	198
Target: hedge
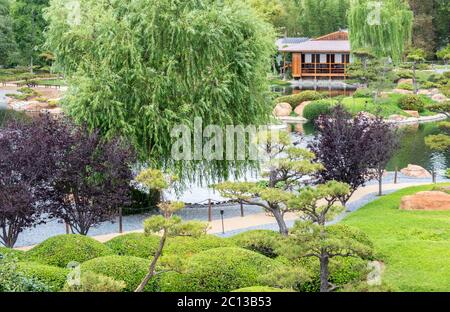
225	269
317	108
411	102
188	246
259	289
131	270
264	242
14	253
299	98
52	276
134	244
62	249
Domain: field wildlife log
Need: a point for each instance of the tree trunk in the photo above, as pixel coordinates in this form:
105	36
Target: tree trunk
324	273
151	270
280	221
380	183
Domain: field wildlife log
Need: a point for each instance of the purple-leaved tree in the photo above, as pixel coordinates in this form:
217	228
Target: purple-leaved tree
29	152
92	180
353	150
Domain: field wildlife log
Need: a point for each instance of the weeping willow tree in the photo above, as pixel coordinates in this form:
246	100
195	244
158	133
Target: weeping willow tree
384	27
137	68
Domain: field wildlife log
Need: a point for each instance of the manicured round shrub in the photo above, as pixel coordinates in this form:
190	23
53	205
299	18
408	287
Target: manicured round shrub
131	270
405	74
299	98
13	253
134	244
264	242
316	109
412	102
52	276
188	246
259	289
170	281
62	249
363	93
405	86
225	269
342	271
93	282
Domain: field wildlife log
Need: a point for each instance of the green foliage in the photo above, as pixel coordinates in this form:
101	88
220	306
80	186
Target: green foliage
187	246
412	102
317	108
443	107
362	93
8	46
448	174
62	249
156	64
386	37
265	242
52	276
260	289
444	53
131	270
225	269
404	74
134	244
438	142
12	253
299	98
416	55
92	282
405	86
11	280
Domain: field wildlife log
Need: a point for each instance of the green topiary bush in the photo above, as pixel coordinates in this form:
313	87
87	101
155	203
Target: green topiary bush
52	276
134	244
170	281
363	93
62	249
404	74
299	98
93	282
188	246
260	289
131	270
13	253
225	269
265	242
317	108
405	86
412	102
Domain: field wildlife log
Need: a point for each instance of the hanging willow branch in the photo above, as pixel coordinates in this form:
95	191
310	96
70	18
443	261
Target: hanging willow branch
386	38
139	67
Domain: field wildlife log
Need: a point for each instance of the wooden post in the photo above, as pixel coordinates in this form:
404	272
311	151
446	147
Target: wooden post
67	228
223	225
242	209
396	175
433	174
120	221
209	210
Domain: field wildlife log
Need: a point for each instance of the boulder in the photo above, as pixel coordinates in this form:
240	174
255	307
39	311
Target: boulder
424	92
401	91
434	91
404	80
412	113
299	109
415	171
282	110
397	118
433	200
439	98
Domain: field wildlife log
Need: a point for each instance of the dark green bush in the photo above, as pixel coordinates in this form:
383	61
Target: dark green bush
404	74
405	86
411	102
260	289
317	108
225	269
299	98
440	107
134	244
429	85
169	282
131	270
142	202
265	242
342	271
11	280
363	93
62	249
52	276
188	246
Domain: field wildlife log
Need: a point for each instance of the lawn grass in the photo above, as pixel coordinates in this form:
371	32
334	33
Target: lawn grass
415	245
384	108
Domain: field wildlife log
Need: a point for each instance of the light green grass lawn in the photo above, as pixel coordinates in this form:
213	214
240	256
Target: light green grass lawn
415	245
